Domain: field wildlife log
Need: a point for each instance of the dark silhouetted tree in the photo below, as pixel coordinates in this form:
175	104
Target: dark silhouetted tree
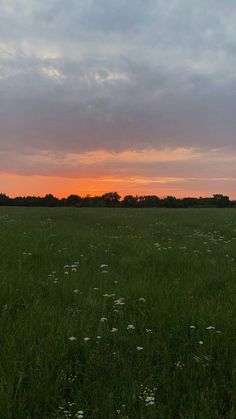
221	201
50	200
130	201
4	199
111	199
149	201
170	202
73	200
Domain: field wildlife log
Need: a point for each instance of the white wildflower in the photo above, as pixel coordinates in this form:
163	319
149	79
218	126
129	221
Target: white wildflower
103	319
79	414
120	301
130	327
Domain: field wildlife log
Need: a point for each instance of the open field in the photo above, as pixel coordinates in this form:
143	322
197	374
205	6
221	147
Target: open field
117	313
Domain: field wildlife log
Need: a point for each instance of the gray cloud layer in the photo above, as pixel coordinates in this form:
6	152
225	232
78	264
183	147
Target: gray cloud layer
82	75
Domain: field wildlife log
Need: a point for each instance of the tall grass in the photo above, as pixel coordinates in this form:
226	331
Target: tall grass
150	335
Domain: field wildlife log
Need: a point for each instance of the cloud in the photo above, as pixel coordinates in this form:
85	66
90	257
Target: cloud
80	77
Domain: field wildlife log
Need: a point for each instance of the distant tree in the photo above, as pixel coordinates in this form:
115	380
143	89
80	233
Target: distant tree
98	201
92	201
130	201
63	202
149	201
170	202
33	201
233	203
50	201
205	202
19	201
4	199
188	202
73	200
111	199
221	201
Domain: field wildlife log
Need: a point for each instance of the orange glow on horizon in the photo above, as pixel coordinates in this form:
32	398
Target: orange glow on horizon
136	172
16	185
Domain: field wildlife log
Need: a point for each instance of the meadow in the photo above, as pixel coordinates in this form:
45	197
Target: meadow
117	313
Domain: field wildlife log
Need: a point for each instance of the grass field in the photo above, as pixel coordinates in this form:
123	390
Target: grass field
117	313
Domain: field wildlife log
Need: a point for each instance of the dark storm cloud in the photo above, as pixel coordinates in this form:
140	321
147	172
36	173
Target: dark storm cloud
87	75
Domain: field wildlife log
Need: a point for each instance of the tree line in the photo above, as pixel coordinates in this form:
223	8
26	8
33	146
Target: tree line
113	199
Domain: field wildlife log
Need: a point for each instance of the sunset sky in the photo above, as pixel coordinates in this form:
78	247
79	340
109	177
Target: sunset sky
133	96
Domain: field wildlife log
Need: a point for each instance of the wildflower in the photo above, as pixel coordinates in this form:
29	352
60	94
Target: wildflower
150	400
210	328
148	330
142	299
72	338
200	342
99	337
119	302
192	327
130	327
139	348
86	339
103	265
179	365
114	330
76	291
103	319
79	414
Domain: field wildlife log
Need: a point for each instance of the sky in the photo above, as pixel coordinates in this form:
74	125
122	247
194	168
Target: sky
133	96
